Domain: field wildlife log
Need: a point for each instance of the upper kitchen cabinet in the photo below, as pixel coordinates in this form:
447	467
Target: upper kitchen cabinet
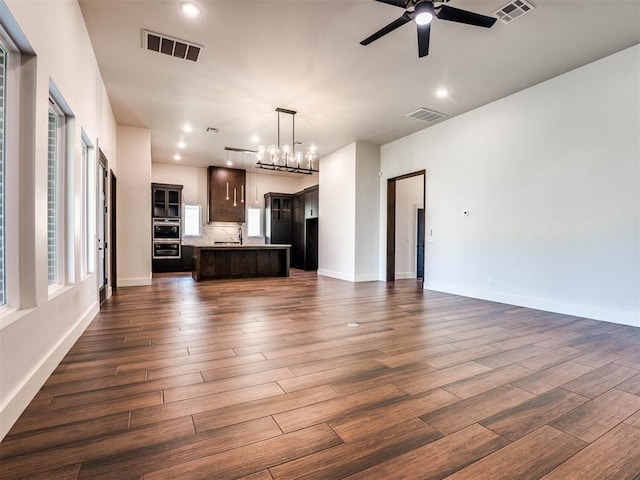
166	200
278	218
226	193
311	202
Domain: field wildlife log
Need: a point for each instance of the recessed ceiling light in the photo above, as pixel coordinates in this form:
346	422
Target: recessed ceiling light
181	144
177	157
187	128
255	139
190	9
442	92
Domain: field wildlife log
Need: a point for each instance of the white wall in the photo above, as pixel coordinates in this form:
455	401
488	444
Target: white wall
307	181
36	337
349	218
409	198
336	221
134	206
367	216
192	179
194	182
551	178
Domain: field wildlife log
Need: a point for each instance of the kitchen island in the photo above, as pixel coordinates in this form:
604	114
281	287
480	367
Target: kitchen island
240	261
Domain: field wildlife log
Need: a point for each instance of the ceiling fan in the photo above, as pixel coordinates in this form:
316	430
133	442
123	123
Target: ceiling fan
423	11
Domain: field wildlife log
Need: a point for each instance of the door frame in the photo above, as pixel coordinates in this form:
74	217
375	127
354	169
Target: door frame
102	210
420	239
112	227
391	219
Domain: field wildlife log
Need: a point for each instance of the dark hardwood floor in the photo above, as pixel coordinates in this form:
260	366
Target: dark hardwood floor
263	379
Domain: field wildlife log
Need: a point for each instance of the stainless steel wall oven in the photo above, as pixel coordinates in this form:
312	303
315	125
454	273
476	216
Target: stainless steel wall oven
166	229
166	238
166	249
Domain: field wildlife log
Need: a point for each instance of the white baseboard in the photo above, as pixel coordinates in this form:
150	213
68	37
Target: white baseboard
405	275
623	317
369	277
349	277
134	282
20	398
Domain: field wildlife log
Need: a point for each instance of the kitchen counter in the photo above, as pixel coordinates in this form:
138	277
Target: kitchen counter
246	246
240	261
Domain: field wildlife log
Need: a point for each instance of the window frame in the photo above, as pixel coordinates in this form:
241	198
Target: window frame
55	151
64	195
58	196
186	206
89	200
3	170
259	219
12	92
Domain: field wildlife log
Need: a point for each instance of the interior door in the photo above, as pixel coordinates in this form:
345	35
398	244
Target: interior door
420	245
113	243
102	228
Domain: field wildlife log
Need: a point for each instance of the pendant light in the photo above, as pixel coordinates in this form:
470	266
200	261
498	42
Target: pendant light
285	157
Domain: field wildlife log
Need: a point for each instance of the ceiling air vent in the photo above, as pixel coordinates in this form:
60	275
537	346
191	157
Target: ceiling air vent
426	115
513	10
173	47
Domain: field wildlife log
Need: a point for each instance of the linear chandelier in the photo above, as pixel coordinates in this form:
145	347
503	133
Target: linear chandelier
286	157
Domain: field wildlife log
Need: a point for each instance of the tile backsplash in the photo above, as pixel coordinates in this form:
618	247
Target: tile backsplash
222	232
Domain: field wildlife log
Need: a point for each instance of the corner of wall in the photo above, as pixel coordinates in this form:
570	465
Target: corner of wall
16	401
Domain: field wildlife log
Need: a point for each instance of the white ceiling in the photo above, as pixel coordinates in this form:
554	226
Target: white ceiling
305	55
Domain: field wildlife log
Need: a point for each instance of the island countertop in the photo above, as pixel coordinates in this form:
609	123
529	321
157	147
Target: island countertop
237	246
240	261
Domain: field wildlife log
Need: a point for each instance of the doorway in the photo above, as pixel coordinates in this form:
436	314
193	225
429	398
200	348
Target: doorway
396	217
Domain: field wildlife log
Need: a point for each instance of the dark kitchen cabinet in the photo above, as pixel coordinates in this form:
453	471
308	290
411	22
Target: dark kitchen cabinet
298	231
166	200
240	261
293	220
311	244
311	202
187	258
159	265
226	193
278	218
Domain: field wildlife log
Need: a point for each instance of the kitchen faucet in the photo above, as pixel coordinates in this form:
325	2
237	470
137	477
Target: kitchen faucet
240	234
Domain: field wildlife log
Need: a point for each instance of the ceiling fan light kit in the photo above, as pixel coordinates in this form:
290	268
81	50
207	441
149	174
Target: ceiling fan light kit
422	12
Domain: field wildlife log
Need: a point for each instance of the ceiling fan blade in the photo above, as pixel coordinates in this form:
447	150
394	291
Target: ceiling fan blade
424	32
463	16
388	29
395	3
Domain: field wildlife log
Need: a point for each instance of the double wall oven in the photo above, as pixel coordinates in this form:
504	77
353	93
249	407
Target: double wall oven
166	238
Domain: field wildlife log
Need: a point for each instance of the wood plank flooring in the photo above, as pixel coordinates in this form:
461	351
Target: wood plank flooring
263	379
